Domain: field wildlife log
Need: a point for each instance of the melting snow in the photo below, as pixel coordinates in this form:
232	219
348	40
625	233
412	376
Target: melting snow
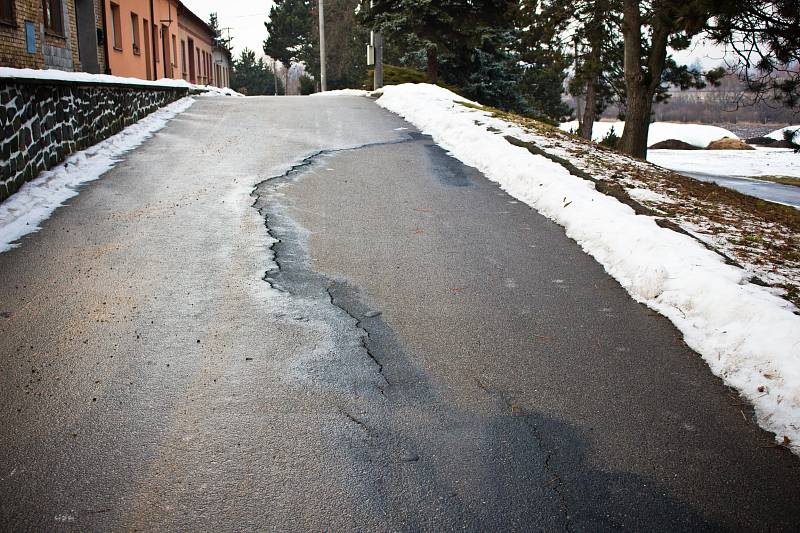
35	201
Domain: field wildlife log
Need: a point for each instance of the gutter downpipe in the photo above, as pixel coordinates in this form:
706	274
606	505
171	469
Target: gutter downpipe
105	35
154	41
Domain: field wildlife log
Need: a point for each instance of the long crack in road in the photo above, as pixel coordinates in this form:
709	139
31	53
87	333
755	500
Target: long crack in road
302	314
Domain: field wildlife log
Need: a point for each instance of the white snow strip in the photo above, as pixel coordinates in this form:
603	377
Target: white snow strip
211	90
695	134
84	77
779	134
35	201
343	92
737	163
747	335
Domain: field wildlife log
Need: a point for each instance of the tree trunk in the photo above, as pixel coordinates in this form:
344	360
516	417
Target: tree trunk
286	83
590	109
432	74
638	106
640	88
594	68
275	75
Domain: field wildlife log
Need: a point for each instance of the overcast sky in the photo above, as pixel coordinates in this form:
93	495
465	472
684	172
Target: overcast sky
245	18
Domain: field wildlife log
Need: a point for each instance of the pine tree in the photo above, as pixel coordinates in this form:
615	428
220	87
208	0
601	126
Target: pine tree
219	39
251	76
440	26
543	58
289	32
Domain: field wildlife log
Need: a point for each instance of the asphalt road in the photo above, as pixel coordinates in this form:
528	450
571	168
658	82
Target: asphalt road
423	353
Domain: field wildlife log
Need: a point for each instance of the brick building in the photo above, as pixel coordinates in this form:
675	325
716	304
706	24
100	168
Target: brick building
60	34
146	39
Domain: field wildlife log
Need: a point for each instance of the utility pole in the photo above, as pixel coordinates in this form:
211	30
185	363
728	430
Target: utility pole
375	54
322	77
275	74
377	42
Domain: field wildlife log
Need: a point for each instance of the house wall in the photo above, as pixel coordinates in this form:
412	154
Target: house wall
202	41
222	68
123	59
51	51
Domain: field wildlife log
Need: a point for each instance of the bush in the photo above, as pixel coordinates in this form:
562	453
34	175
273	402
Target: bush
789	136
611	140
307	85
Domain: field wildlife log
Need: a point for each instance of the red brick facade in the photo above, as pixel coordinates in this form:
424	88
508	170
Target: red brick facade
51	50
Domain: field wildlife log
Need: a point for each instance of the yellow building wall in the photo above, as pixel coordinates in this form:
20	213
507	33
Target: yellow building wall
148	61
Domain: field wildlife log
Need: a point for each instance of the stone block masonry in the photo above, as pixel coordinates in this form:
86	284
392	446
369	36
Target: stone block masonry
44	121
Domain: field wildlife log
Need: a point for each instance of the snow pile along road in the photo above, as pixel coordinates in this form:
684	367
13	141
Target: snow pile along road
343	92
35	201
747	335
211	90
695	134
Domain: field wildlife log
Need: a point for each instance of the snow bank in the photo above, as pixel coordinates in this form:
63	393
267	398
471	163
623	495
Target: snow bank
694	134
35	201
344	92
778	134
211	90
736	163
84	77
747	335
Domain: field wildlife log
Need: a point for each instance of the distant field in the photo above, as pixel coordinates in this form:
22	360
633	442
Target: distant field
747	131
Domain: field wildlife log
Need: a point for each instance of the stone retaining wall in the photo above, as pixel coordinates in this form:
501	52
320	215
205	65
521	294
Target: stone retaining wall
44	121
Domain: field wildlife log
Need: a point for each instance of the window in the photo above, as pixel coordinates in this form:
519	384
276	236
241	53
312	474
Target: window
116	29
53	16
155	38
174	51
7	12
135	29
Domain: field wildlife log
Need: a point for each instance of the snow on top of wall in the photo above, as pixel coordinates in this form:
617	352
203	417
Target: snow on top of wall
747	335
85	77
695	134
778	134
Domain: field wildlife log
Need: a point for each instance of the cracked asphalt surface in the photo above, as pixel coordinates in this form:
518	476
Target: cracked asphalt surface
422	353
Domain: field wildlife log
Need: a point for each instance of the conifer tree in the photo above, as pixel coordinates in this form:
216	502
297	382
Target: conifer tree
440	26
251	76
219	39
289	32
